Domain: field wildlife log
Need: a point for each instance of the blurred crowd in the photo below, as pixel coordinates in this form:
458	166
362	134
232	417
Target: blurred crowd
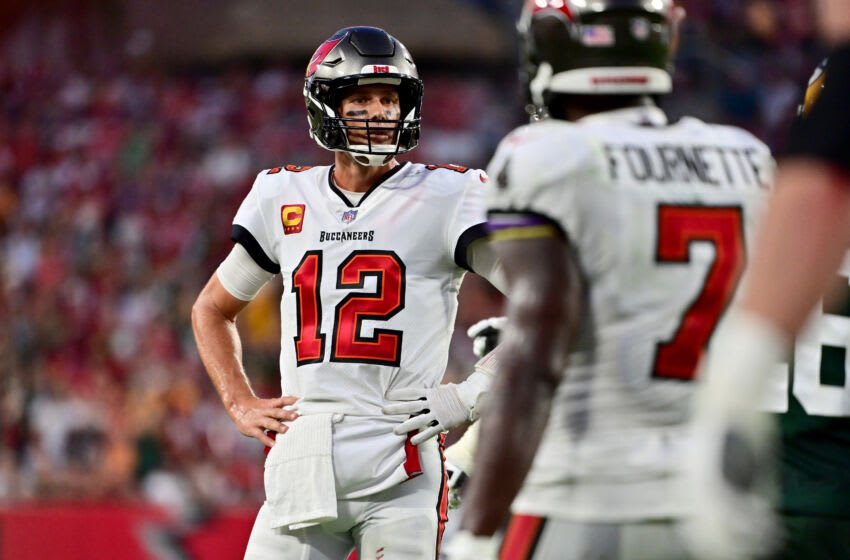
117	187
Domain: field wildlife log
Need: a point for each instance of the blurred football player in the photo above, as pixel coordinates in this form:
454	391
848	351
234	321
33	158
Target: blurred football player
796	261
623	237
371	253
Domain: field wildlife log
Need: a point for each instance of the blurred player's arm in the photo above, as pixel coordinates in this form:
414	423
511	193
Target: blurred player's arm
545	305
802	240
214	324
806	229
800	243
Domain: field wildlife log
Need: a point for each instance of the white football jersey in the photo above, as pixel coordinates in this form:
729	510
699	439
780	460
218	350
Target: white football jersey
660	216
369	294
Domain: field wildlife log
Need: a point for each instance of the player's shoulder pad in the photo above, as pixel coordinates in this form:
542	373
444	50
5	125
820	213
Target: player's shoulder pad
470	174
726	133
271	181
543	152
452	177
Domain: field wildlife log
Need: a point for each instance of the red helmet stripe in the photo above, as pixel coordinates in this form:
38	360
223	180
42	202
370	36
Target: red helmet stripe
538	6
320	54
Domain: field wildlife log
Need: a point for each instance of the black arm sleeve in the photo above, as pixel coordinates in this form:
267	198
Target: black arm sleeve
824	132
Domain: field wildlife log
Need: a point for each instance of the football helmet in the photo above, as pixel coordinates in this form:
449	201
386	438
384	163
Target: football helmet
356	56
619	47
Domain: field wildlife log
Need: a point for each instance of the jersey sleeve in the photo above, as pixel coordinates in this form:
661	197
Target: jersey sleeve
250	229
822	129
534	195
468	224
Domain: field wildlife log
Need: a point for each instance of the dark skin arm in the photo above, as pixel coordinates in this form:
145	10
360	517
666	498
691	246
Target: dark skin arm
544	311
214	323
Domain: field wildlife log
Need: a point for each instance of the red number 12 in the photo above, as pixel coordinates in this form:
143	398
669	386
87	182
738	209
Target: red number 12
384	346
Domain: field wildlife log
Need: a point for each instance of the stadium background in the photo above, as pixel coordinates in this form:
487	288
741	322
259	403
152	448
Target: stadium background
129	132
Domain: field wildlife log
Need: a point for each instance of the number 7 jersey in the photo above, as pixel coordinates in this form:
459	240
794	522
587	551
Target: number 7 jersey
659	216
369	290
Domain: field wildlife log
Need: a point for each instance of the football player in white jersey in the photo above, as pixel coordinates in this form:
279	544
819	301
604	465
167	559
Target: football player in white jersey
623	237
371	253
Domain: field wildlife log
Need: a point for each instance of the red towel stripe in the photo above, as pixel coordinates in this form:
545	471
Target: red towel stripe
412	464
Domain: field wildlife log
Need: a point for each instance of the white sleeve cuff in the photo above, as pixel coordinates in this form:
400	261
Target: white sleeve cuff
241	276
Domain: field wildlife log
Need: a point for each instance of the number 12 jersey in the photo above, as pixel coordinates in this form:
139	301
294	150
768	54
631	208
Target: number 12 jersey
369	289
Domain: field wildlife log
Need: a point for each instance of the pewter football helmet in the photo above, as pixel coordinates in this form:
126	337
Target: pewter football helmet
360	56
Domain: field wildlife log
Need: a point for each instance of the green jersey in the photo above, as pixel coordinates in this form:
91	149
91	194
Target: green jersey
815	415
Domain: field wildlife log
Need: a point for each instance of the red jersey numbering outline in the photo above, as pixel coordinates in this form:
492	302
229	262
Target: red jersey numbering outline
349	345
290	167
449	166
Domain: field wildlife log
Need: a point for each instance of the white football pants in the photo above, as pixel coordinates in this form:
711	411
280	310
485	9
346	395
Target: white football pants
404	522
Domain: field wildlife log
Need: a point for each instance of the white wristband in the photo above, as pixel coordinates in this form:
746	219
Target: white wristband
240	275
742	354
475	387
462	452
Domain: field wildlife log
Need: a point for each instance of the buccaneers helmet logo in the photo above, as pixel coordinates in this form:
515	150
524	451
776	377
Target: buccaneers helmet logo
321	53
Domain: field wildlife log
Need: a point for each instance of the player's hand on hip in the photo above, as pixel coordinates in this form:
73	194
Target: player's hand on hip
448	406
254	416
432	410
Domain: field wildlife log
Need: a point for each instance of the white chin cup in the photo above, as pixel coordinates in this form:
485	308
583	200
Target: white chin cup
375	159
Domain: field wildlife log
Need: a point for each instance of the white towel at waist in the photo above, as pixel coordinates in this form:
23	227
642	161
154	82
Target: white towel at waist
299	474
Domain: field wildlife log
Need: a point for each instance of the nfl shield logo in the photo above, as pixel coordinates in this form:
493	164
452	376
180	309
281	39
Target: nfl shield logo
641	28
348	216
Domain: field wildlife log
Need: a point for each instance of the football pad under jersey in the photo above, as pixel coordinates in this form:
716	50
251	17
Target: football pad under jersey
660	217
369	290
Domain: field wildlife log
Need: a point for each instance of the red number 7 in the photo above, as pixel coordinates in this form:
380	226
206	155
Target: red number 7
678	228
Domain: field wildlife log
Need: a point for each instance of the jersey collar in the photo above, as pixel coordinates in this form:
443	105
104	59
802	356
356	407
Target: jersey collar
641	116
389	174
